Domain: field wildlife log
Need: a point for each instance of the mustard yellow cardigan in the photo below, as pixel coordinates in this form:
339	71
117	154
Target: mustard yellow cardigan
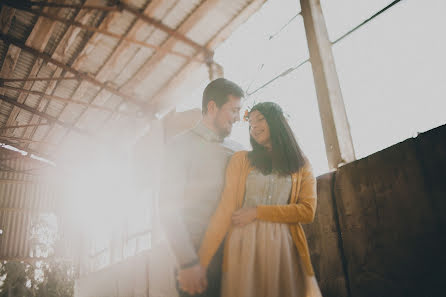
301	209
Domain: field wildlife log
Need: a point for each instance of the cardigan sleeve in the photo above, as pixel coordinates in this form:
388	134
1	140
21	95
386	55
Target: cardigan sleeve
302	211
221	220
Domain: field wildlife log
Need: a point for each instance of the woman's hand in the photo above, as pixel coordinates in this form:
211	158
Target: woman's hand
244	216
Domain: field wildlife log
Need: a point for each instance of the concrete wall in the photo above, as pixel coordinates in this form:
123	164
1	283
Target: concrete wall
378	228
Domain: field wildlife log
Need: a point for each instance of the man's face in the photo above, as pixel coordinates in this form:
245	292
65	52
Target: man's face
227	115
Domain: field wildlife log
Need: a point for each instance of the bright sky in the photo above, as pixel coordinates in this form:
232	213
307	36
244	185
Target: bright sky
391	70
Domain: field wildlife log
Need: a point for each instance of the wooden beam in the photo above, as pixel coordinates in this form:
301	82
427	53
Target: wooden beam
38	38
6	16
83	76
136	12
111	34
12	55
41	114
70	101
161	101
335	126
25	140
7	80
106	71
59	52
185	27
23	126
74	6
172	32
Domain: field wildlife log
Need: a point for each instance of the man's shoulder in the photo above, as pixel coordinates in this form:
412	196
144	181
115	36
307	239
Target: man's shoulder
184	138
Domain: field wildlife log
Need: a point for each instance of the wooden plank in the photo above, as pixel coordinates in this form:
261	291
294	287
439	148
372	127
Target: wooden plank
6	80
23	126
6	16
40	114
335	126
12	55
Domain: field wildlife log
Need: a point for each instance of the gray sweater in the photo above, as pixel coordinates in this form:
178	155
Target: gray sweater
191	185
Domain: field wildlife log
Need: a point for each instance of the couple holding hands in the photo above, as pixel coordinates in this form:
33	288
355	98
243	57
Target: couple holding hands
232	217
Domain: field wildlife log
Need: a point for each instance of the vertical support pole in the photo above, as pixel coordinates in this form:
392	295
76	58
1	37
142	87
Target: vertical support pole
215	70
336	130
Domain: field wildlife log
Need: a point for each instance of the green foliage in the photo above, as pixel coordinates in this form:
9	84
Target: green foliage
17	278
44	279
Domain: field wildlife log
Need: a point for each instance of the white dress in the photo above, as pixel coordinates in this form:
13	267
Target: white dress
262	258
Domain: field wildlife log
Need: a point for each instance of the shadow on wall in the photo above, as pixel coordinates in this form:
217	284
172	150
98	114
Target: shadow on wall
378	226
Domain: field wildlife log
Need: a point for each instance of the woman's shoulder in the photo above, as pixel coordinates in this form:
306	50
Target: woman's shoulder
240	156
239	160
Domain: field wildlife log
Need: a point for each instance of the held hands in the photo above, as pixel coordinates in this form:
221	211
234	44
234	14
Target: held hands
244	216
193	280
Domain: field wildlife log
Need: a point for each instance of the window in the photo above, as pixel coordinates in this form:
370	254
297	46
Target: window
391	73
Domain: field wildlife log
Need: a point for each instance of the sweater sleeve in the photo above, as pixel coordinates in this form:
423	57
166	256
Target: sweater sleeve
173	182
221	220
302	211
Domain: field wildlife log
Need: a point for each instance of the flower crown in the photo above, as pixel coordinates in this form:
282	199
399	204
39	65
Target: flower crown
248	110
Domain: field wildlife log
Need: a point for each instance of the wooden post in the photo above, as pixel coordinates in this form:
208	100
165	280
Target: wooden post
338	140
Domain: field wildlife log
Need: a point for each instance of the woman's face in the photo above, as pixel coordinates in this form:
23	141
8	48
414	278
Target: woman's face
259	129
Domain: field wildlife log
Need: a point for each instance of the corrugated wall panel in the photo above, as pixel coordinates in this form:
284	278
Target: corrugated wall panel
22	198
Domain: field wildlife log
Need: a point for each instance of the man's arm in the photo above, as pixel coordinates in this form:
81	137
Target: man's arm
174	178
173	183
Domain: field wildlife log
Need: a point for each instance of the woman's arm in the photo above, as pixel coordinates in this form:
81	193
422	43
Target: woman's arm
302	211
221	220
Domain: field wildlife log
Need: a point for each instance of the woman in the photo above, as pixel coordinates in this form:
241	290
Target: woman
268	193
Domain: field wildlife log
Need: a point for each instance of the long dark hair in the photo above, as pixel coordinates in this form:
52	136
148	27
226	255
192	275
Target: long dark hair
286	157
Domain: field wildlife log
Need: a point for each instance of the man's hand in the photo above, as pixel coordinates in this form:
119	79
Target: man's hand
193	280
244	216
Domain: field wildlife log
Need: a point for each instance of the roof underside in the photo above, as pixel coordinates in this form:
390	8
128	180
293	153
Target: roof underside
105	65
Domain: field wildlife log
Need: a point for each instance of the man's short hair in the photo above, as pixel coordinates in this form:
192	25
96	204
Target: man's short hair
218	91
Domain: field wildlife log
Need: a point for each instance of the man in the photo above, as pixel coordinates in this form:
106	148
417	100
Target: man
192	182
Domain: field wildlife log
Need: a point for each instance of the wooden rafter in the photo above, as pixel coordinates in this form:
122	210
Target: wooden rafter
83	76
6	16
25	140
185	27
119	7
41	114
148	67
44	104
189	67
172	32
38	38
106	70
73	6
6	80
23	126
111	34
70	101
